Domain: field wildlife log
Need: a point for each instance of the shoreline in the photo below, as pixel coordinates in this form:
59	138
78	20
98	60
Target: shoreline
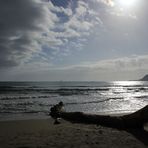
26	116
43	133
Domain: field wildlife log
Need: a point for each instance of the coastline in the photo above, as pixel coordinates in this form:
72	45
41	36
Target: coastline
43	133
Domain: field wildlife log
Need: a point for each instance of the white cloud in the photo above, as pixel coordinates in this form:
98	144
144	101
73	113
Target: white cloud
106	2
125	68
118	64
66	11
80	24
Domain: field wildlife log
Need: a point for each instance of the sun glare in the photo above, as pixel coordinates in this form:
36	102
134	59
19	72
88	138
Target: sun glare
127	3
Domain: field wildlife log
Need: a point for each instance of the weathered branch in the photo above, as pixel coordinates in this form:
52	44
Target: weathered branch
134	120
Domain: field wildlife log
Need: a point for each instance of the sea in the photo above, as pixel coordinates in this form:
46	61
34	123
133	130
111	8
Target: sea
33	100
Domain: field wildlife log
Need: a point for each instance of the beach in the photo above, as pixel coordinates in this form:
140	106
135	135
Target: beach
42	133
25	120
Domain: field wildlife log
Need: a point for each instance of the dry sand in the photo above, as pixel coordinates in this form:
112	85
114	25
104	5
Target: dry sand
44	134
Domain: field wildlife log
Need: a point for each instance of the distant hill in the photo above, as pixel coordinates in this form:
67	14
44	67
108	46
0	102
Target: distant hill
145	78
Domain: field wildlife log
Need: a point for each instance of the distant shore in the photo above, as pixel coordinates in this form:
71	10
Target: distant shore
43	133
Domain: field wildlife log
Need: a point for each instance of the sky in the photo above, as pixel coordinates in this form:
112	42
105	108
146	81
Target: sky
73	40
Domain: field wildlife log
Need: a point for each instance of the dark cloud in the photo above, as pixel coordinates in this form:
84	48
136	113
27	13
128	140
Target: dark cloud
18	15
20	20
24	23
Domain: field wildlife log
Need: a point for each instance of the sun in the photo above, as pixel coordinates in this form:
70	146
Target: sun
127	3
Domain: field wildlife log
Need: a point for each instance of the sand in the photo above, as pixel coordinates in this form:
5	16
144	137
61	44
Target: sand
44	134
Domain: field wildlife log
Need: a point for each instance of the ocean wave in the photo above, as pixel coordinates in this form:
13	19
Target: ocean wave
16	98
95	101
25	97
49	93
21	110
77	88
69	92
142	97
43	104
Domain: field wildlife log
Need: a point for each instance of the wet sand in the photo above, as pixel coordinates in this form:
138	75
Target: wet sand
44	134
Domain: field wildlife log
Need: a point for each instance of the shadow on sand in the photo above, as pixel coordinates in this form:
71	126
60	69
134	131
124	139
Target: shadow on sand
132	123
140	134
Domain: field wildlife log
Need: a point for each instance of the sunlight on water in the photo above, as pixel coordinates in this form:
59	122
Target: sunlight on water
127	83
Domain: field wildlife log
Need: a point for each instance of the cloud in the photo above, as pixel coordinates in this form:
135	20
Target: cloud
26	26
21	26
118	64
106	2
124	68
33	31
78	24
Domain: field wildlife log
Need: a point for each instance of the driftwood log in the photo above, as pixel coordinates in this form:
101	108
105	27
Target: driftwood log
133	120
